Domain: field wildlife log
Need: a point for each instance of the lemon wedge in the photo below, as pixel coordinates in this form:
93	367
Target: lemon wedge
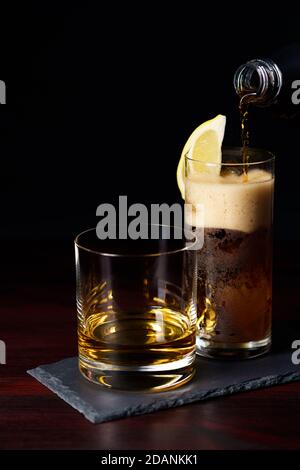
204	148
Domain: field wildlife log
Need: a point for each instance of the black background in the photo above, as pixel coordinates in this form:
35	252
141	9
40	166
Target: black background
101	99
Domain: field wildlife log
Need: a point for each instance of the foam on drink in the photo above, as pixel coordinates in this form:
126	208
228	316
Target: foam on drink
231	203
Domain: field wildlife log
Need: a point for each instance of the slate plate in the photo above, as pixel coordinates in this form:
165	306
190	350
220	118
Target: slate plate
213	379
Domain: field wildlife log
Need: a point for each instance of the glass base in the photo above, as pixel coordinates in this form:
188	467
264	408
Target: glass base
247	350
156	378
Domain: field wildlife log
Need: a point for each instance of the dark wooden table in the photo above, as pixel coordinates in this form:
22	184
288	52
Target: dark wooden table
38	324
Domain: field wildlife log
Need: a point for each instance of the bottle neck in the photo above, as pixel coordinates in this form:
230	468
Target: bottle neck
259	81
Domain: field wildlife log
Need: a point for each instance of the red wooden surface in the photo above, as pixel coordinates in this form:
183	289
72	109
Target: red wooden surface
38	324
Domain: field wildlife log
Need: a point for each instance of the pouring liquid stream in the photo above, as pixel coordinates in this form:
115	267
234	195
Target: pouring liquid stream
245	131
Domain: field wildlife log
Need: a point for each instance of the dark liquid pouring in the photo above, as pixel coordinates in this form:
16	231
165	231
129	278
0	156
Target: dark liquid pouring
245	131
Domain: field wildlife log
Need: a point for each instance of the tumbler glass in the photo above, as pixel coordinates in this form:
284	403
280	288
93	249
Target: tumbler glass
136	303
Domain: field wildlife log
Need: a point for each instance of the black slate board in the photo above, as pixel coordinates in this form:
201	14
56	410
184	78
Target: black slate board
212	379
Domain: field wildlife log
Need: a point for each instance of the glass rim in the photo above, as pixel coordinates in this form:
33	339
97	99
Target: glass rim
137	255
226	150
